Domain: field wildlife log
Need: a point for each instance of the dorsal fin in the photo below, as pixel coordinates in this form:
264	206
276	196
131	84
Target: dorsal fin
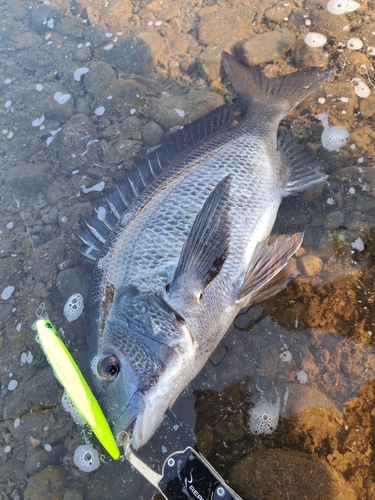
174	148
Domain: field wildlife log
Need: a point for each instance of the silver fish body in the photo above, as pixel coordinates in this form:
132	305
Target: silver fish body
191	251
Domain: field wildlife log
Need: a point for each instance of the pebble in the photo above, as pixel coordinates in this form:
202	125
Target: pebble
45	103
29	40
209	61
327	24
99	77
126	95
194	104
95	36
152	134
82	54
40	459
265	47
309	57
27	179
311	264
334	220
218	26
138	53
68	280
48	483
40	13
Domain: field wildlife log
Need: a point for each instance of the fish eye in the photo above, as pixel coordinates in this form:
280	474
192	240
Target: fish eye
109	367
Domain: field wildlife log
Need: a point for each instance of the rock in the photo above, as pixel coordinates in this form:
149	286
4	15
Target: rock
28	179
73	494
41	458
99	77
70	281
341	101
278	474
95	35
29	40
115	13
152	134
137	53
334	220
308	57
279	11
209	61
265	47
326	23
19	13
37	392
49	483
82	54
367	106
126	95
170	111
217	26
72	28
44	17
77	135
40	290
82	106
311	264
54	101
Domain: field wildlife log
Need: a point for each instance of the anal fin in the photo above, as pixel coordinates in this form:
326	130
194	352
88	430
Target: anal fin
266	263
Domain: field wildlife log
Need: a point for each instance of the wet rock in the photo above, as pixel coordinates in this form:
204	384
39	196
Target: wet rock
217	26
48	483
29	40
334	220
125	96
12	470
367	106
19	13
170	111
82	106
308	57
71	27
29	63
367	33
40	290
311	264
115	14
44	17
272	474
40	459
95	36
82	54
77	135
137	53
265	47
152	134
70	281
39	391
99	77
326	23
279	11
341	101
209	61
27	179
54	101
73	494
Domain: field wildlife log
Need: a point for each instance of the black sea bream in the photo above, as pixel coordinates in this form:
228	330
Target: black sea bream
190	248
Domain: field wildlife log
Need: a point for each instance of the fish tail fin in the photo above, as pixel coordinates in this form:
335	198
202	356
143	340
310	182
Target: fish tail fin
282	93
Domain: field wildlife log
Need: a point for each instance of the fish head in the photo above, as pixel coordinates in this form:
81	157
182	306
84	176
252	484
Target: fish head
138	362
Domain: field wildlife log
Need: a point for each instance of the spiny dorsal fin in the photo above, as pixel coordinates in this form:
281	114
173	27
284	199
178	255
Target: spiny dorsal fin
304	170
174	149
266	262
206	248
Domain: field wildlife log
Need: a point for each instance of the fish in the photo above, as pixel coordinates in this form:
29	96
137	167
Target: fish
183	244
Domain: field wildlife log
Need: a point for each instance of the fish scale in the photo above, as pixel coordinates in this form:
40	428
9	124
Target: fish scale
192	249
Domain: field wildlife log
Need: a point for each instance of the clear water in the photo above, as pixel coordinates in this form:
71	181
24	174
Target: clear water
307	353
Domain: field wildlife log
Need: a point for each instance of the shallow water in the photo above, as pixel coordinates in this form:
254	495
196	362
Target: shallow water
304	361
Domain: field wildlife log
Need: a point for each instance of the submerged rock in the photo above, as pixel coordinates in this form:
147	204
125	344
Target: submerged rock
273	474
265	47
138	53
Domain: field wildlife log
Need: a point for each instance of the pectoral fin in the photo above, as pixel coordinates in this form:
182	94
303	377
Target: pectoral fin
206	247
266	263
